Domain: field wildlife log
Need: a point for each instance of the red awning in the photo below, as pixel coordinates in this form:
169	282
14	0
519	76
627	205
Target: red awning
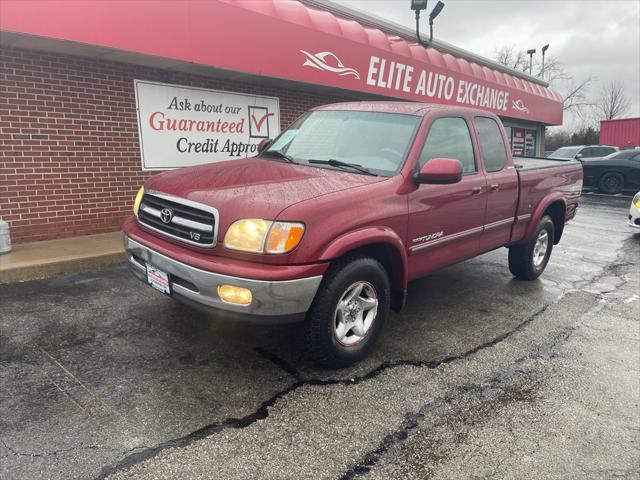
285	39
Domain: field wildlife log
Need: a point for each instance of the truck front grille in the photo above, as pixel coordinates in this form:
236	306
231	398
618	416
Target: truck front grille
180	219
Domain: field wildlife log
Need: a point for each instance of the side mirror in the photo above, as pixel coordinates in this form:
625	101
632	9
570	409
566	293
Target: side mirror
578	156
264	144
440	171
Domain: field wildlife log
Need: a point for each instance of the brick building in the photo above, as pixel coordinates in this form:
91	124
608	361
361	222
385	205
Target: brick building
70	131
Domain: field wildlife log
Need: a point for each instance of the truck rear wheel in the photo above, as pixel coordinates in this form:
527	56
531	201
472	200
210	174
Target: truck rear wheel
528	261
348	313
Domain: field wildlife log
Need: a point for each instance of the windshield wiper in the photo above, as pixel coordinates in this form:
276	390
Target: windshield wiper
279	154
340	163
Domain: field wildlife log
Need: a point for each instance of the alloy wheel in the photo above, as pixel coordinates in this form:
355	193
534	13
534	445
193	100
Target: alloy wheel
540	248
355	313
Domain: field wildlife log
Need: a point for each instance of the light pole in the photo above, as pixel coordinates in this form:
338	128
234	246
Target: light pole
432	16
419	5
544	49
530	53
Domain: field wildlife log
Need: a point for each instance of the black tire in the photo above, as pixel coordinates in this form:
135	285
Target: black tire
521	257
611	183
319	337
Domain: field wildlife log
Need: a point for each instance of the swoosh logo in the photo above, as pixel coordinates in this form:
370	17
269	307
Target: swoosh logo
320	59
519	105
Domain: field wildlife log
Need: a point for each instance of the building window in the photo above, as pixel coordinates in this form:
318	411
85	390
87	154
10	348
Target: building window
530	142
522	141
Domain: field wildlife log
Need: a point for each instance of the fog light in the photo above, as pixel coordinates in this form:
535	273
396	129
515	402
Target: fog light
236	295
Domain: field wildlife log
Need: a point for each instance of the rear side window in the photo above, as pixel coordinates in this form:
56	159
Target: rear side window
603	151
491	143
587	152
449	137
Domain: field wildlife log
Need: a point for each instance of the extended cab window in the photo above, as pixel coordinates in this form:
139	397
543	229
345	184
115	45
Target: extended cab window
375	140
491	143
449	138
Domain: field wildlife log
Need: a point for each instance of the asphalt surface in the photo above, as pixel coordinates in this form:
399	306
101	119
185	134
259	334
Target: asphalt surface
480	376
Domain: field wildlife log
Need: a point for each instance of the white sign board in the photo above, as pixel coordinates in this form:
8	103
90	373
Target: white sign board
182	126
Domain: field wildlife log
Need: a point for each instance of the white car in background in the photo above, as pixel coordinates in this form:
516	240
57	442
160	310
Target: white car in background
634	211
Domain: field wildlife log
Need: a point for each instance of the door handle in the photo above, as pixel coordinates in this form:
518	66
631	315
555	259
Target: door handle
476	190
495	187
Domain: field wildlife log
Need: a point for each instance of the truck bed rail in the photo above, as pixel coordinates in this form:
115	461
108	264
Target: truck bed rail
536	163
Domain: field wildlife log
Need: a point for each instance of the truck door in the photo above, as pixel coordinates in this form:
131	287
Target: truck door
445	221
502	183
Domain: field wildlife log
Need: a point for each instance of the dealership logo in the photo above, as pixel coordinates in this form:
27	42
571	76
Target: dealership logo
328	62
520	106
166	215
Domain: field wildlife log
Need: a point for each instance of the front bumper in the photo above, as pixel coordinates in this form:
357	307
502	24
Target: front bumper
272	301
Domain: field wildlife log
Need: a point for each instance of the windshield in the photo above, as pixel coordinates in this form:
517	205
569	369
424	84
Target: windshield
373	140
565	152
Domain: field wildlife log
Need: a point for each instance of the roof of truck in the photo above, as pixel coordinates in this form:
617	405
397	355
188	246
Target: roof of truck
408	108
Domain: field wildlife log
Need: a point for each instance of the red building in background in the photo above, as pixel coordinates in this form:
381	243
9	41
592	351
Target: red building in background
623	133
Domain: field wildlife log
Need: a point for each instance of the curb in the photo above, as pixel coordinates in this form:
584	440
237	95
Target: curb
46	270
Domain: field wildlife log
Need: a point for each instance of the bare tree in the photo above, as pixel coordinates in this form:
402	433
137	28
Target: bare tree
556	138
553	70
612	102
574	94
512	58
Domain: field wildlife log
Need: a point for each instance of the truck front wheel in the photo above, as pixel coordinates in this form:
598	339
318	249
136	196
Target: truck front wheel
528	261
348	312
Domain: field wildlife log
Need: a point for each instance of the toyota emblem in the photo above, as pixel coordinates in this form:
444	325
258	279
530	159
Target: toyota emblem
166	214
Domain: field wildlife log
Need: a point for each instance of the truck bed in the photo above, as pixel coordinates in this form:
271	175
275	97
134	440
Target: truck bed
536	163
540	177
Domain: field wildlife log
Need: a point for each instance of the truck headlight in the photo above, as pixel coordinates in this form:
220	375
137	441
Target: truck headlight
136	202
247	235
256	235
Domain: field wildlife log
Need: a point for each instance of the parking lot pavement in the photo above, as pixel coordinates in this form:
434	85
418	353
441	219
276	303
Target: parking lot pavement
481	375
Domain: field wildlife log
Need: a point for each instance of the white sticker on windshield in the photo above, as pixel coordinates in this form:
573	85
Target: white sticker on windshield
284	139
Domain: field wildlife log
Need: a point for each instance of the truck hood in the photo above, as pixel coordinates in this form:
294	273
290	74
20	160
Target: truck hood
254	187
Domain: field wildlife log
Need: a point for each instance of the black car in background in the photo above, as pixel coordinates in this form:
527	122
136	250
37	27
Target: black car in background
613	173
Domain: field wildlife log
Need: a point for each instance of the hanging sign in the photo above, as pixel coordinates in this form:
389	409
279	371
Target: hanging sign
182	126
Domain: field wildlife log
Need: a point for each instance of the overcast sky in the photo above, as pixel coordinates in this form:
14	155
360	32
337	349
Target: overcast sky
597	38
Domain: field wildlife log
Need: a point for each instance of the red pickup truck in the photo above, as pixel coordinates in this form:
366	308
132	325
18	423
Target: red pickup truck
334	217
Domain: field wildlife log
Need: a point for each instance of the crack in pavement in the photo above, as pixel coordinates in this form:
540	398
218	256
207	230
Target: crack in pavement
486	389
14	452
412	420
262	411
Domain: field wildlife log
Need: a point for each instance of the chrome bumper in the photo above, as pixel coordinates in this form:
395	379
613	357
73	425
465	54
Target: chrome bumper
286	300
